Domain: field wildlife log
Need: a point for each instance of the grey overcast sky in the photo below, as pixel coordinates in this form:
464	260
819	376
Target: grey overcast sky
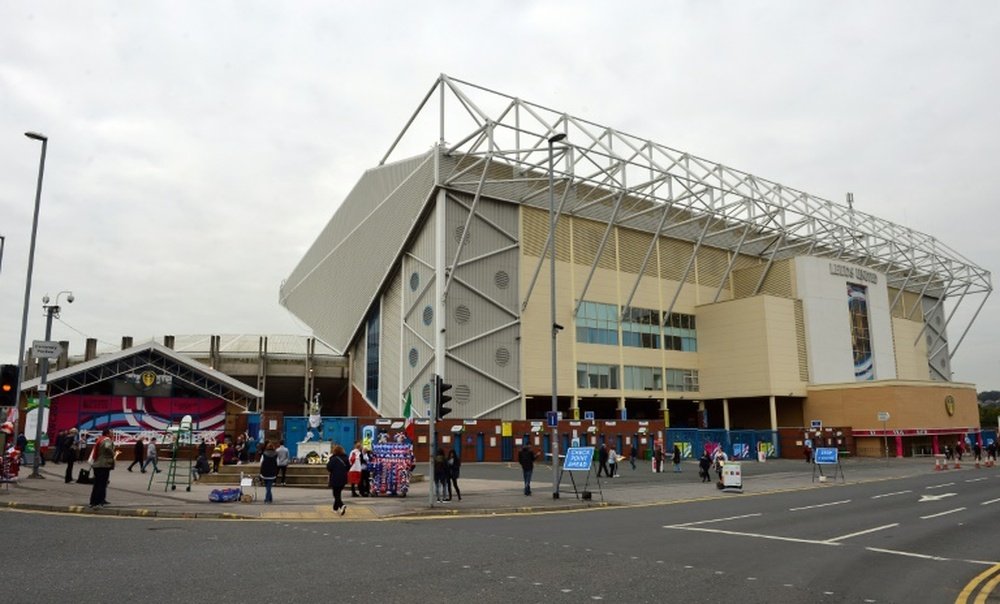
197	148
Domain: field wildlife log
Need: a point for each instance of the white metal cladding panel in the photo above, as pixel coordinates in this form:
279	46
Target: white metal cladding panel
388	381
495	277
476	397
373	186
358	363
497	357
415	349
418	267
334	298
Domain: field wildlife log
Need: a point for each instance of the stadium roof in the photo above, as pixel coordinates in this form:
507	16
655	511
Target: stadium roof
487	143
648	186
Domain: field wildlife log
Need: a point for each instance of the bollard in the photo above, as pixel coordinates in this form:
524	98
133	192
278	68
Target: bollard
940	463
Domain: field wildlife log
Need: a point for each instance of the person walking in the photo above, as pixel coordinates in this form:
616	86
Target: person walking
527	460
454	468
720	460
441	486
102	461
151	455
633	455
71	450
658	460
338	467
602	460
283	459
138	454
269	470
705	467
613	463
676	459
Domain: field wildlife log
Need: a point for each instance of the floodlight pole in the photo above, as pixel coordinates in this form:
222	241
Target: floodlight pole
21	365
554	439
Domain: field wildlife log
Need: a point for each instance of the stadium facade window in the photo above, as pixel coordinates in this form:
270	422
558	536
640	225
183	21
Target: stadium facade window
861	343
597	323
682	380
372	356
596	376
641	327
643	378
680	332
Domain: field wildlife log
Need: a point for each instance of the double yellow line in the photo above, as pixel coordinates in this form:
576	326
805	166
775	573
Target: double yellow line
984	584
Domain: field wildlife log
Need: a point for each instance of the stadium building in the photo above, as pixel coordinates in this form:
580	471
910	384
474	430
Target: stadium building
686	292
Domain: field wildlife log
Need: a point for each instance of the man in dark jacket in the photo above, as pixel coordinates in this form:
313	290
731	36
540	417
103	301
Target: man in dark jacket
527	460
602	460
138	454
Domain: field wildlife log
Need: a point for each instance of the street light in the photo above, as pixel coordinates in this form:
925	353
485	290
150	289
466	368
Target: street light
51	312
554	445
31	264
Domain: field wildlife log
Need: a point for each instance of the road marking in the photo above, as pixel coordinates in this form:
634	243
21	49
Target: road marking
819	505
891	494
935	497
938	486
972	586
907	554
713	520
865	532
977	479
942	513
989	502
755	535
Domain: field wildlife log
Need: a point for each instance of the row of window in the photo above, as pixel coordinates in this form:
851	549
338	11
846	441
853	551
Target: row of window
598	323
605	377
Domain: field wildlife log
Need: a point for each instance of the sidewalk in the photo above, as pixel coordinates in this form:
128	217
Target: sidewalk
487	488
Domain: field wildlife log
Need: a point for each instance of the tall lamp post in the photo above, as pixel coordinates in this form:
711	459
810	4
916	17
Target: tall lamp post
554	447
51	312
27	284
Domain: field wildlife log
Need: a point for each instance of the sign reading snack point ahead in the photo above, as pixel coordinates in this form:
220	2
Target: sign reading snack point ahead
578	459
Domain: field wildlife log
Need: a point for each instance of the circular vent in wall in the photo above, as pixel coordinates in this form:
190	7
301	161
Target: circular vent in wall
462	394
502	356
501	279
414	356
462	314
414	281
428	315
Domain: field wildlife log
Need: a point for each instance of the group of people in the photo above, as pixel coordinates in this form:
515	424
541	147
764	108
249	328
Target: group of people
447	467
145	454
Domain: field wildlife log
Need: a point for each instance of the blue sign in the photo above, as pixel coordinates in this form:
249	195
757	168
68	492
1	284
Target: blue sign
588	415
578	459
552	418
826	455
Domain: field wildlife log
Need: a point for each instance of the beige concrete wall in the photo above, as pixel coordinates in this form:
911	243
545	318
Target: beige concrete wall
748	348
909	404
911	361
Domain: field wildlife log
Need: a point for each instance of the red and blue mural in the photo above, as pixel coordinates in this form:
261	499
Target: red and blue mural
93	413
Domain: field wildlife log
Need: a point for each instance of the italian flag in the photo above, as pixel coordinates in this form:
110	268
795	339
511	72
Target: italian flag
408	426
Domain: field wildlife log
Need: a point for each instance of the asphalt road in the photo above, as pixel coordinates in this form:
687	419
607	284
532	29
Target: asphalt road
914	540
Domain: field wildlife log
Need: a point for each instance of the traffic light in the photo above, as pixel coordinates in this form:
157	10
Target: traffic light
440	398
8	385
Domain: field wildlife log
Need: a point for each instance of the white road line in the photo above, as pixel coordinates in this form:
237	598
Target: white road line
989	502
712	520
942	513
891	494
907	554
755	535
938	486
978	479
928	557
871	530
819	505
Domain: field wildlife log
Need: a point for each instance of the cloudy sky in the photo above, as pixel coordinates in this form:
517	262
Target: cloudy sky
197	148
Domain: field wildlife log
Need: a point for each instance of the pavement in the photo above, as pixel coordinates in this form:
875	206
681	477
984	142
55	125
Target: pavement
487	489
